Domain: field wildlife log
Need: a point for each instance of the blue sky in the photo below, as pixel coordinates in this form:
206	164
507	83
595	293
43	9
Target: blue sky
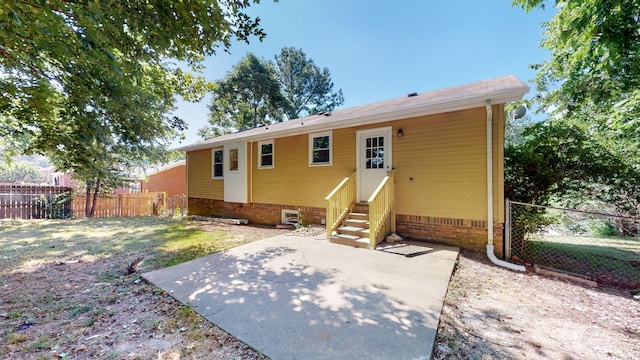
379	50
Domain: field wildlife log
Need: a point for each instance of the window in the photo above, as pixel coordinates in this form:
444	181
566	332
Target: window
320	148
266	154
233	159
217	156
375	152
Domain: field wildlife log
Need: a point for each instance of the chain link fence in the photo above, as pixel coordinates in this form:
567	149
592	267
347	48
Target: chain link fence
599	247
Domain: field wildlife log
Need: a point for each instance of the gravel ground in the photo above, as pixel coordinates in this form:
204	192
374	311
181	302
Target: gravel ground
494	313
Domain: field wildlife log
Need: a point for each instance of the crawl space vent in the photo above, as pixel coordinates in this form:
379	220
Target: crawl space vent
290	216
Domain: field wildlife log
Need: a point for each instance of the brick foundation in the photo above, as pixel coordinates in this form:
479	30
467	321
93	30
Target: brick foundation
269	214
468	234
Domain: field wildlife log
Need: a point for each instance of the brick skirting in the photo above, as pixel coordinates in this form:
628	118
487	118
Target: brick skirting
469	234
270	214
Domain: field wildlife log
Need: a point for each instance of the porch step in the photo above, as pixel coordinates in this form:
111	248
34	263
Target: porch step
358	216
361	223
361	208
350	240
354	230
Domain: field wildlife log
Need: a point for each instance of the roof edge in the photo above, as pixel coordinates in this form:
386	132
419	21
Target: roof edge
500	96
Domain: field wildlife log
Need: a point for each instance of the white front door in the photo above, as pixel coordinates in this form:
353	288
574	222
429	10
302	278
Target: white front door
374	159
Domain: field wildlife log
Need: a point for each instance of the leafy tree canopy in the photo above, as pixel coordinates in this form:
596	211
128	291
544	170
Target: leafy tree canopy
19	171
593	74
250	95
308	88
259	92
90	83
590	88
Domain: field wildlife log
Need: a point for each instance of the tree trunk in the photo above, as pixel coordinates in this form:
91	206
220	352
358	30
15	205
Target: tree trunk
87	199
96	191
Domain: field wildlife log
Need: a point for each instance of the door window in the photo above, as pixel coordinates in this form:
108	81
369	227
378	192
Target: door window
374	152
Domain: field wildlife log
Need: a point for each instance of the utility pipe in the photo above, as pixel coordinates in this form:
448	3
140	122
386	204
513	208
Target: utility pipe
490	253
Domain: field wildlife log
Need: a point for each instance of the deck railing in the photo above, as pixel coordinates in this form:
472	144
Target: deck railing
382	216
340	201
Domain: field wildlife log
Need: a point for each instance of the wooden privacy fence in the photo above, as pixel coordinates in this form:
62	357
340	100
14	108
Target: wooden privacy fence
123	205
56	202
34	202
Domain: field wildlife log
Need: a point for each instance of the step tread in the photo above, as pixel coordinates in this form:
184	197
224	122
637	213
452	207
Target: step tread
359	216
350	240
347	236
358	221
350	228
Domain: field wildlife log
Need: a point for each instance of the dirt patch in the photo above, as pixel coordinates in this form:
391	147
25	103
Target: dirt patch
64	294
57	301
494	313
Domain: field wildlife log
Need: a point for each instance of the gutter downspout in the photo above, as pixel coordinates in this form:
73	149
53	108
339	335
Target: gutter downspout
490	253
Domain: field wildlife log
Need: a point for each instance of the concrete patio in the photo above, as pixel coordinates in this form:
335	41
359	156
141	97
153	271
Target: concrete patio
301	297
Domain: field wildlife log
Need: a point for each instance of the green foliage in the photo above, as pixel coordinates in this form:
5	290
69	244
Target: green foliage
250	95
593	74
601	228
560	160
20	171
590	88
259	92
56	206
308	88
91	83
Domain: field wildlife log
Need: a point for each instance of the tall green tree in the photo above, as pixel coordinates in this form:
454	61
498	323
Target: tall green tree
593	73
248	96
91	84
308	88
590	89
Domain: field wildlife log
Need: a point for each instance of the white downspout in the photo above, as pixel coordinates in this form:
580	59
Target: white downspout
490	253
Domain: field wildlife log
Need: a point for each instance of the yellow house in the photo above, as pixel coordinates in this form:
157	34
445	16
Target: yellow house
428	166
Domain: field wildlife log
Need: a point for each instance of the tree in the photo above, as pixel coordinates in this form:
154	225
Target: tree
19	171
593	74
590	88
91	83
308	88
248	96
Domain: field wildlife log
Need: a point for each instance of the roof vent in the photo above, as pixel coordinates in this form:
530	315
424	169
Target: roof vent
412	94
325	113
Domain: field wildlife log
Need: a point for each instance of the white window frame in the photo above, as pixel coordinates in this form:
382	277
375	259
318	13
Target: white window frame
311	149
213	163
260	154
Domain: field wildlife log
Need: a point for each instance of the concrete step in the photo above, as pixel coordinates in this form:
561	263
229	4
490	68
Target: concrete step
344	239
362	223
353	231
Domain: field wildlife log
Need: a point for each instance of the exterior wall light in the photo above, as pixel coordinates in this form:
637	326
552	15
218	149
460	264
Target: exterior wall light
400	133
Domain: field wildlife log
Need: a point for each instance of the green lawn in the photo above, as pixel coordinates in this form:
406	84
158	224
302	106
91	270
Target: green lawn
163	242
608	259
66	293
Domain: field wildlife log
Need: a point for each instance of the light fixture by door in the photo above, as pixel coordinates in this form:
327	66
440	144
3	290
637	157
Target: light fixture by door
400	133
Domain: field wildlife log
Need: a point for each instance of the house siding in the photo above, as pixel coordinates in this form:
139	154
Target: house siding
441	179
171	180
200	184
292	180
